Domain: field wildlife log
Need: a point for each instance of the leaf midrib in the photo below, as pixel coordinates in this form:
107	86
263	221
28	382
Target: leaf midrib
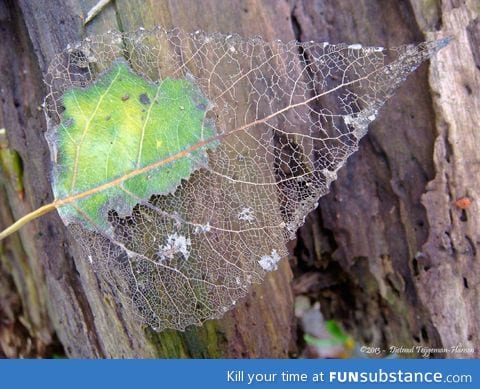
70	199
191	149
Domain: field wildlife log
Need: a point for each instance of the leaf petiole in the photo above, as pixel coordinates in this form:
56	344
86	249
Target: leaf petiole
28	218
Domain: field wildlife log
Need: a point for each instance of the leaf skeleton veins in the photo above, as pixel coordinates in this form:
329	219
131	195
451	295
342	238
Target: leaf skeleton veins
183	171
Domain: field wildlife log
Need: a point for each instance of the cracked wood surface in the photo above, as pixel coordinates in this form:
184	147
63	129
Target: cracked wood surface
394	258
398	258
88	320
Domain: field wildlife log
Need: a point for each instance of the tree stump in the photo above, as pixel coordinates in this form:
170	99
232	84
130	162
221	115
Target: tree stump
393	247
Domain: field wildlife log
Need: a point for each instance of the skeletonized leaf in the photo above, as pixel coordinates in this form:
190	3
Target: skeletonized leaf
185	162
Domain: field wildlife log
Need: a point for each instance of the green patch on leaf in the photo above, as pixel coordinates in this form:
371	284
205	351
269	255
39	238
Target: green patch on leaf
129	138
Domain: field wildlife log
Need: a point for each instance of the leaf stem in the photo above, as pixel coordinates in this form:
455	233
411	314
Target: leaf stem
28	218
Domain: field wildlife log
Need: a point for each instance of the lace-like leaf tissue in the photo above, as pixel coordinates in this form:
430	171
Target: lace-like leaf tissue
183	163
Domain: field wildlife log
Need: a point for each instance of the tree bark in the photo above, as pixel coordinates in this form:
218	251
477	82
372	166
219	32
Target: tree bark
395	257
392	255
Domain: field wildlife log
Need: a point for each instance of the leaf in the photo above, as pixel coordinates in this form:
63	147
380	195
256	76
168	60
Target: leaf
336	331
119	125
180	232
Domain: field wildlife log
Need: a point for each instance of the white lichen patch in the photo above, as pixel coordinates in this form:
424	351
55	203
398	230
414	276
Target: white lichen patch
176	244
348	119
330	176
202	228
375	49
360	121
355	46
246	214
291	227
270	262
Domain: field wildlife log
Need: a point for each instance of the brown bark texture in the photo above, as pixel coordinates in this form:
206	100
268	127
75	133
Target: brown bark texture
391	252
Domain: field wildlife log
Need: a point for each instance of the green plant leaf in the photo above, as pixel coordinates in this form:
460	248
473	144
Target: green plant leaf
322	343
336	331
119	125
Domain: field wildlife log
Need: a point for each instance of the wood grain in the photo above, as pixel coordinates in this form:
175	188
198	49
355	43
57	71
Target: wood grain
388	253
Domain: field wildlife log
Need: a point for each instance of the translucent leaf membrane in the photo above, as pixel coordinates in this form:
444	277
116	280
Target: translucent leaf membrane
277	120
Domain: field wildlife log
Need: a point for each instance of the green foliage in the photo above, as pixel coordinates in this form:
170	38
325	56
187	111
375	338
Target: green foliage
337	337
11	165
118	126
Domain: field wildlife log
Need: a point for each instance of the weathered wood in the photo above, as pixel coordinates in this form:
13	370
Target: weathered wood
373	214
448	263
391	255
25	323
398	260
88	319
